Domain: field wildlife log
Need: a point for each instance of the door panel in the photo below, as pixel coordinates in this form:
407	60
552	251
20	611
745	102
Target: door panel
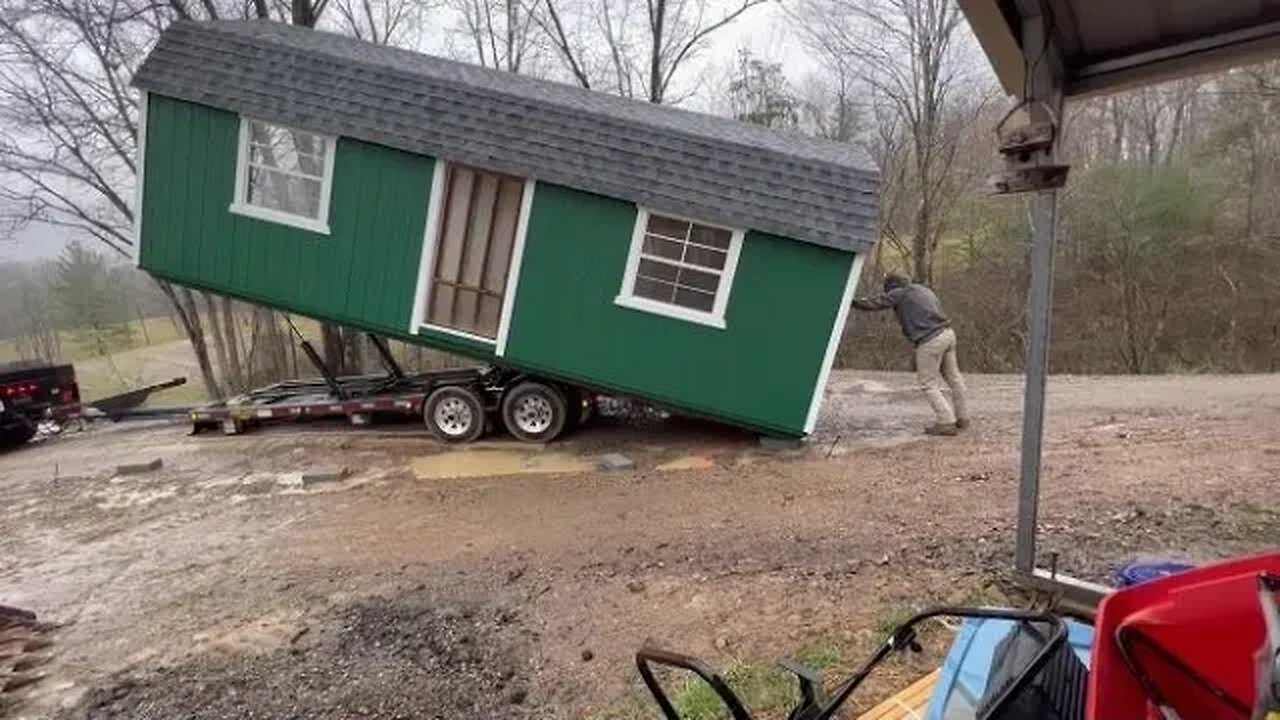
473	250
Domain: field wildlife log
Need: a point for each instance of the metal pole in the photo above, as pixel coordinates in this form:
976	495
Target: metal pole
1044	221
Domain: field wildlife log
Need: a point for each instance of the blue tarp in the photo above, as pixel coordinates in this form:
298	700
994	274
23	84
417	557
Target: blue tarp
967	667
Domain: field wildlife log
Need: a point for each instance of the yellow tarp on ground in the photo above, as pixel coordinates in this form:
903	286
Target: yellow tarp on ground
909	704
484	463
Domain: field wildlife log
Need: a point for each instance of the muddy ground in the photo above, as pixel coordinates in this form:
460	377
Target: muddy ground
223	586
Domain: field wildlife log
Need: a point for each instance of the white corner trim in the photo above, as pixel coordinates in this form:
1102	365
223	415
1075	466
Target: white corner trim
671	311
513	269
280	218
240	202
458	333
627	297
139	166
833	343
430	231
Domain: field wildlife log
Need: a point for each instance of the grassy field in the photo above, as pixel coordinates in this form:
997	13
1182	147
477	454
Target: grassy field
158	351
152	331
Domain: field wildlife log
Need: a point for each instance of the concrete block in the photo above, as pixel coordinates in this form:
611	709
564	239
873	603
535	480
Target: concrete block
616	461
139	468
324	475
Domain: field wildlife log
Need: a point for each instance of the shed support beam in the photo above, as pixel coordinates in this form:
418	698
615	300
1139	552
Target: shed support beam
1043	92
1045	79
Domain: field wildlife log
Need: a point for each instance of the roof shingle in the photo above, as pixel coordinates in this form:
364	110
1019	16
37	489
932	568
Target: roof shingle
671	160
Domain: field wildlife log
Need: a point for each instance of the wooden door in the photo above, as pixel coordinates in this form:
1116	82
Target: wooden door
473	250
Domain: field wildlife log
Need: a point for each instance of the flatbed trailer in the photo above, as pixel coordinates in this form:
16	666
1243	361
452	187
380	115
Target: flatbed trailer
456	405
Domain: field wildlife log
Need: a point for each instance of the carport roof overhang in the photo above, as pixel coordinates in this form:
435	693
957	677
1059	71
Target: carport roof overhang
1107	45
1046	51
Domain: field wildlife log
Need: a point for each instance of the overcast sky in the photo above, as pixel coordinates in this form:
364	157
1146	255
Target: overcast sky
763	30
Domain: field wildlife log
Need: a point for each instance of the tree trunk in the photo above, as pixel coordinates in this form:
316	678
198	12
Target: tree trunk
353	342
921	254
334	352
219	340
184	306
659	19
269	345
236	368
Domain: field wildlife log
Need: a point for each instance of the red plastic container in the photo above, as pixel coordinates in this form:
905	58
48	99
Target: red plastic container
1192	636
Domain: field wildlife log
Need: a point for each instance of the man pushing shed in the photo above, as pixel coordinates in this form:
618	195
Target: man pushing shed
927	327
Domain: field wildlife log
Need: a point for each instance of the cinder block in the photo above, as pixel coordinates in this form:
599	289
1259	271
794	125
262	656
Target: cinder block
616	461
139	468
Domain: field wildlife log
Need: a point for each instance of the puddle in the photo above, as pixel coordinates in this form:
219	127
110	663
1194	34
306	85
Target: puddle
484	463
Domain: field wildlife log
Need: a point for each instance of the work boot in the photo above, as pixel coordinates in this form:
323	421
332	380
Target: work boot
942	429
962	423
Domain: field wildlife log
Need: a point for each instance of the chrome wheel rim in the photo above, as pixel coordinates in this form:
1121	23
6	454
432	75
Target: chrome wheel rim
533	414
453	417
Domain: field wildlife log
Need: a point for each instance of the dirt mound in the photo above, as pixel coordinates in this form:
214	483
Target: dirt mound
378	659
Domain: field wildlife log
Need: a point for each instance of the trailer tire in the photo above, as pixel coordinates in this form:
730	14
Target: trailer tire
17	435
454	414
535	412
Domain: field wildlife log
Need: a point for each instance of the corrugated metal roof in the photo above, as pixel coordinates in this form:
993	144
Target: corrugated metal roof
710	168
1108	45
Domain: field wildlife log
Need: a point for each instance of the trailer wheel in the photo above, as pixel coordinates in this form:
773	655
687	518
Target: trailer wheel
454	414
17	435
534	412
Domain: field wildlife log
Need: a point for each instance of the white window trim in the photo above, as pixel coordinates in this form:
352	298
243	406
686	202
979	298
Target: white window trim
431	234
140	164
240	206
513	272
626	295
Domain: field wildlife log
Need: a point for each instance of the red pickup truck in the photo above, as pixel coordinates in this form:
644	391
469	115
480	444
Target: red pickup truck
30	393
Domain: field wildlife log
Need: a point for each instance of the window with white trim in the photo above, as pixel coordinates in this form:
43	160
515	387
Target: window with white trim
680	268
284	175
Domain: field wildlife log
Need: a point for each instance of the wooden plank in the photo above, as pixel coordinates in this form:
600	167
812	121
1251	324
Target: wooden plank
909	703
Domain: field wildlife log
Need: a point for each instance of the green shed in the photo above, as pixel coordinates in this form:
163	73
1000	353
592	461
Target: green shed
589	240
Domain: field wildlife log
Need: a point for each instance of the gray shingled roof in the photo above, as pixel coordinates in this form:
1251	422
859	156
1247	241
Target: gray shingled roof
672	160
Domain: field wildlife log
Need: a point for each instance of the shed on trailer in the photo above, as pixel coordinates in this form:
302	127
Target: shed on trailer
690	260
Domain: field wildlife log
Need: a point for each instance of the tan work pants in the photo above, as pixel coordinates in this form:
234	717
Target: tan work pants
936	364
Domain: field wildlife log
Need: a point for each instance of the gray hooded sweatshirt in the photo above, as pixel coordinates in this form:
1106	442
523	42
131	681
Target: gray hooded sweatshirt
918	310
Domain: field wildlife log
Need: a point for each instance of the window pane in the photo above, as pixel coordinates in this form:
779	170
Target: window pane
454	232
654	245
654	290
292	150
657	270
672	228
490	314
483	199
704	257
465	310
713	237
504	235
441	306
696	300
286	193
698	279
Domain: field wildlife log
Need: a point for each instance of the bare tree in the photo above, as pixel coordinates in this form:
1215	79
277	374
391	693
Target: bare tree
386	22
912	58
68	126
631	49
497	33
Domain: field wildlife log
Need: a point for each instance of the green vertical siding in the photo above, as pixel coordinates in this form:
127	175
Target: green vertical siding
759	371
362	274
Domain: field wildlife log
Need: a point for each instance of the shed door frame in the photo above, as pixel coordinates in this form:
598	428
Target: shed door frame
432	229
